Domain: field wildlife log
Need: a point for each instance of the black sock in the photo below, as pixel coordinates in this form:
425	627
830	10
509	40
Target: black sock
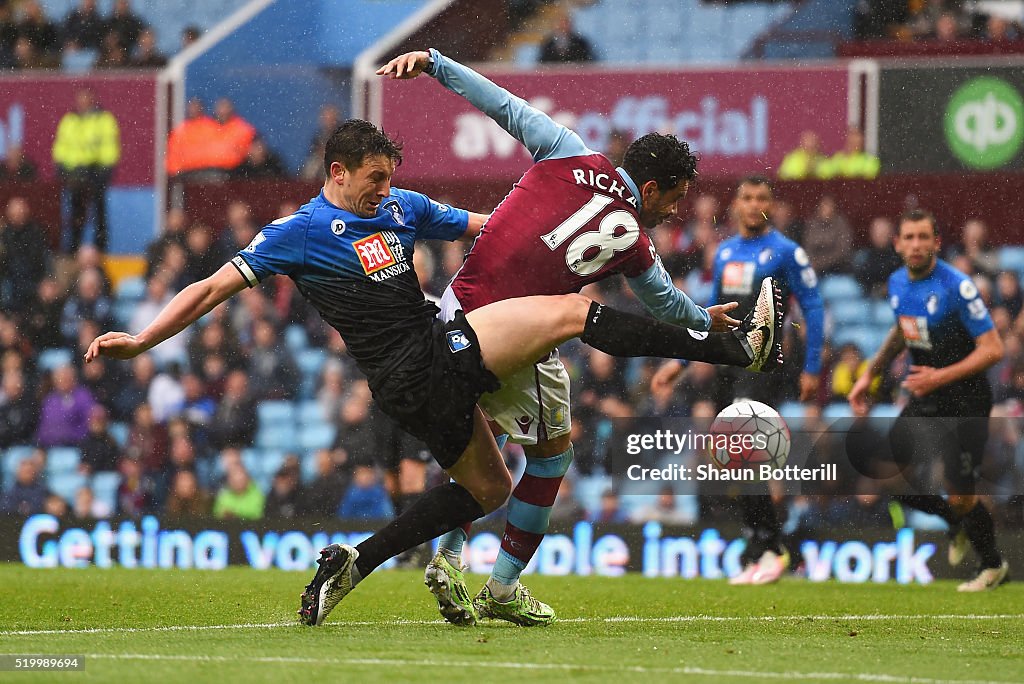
624	334
432	514
981	530
761	518
932	504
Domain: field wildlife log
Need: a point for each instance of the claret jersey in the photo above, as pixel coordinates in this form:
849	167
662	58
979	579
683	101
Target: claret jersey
572	219
940	316
358	272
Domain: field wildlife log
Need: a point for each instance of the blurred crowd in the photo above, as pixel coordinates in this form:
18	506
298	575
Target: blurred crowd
943	21
81	40
182	428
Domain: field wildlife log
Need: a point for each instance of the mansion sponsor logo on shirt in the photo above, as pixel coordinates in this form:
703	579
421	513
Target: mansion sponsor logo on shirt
381	255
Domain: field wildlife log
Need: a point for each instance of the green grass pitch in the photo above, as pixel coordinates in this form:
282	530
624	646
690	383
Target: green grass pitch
239	625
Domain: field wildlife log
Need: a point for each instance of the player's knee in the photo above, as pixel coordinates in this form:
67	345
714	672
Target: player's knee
572	312
493	493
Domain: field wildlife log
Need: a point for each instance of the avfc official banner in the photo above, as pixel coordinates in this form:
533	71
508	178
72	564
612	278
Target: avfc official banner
740	120
32	105
951	119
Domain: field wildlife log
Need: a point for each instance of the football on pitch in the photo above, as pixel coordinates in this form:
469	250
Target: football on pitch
749	434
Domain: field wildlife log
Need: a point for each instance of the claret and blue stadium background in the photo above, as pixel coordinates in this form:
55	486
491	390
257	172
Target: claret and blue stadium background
858	110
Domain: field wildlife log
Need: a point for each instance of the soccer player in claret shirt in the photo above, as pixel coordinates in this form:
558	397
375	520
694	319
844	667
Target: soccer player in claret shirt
942	320
350	253
572	219
740	263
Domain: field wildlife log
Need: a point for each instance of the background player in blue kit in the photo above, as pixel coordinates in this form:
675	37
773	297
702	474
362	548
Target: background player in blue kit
740	263
942	320
350	253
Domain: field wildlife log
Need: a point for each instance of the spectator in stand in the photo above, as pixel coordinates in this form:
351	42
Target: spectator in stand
852	161
192	148
366	498
166	394
19	411
285	496
87	507
999	29
564	45
23	256
175	225
850	365
203	259
38	29
805	161
1008	293
215	340
88	303
947	28
239	231
89	258
786	222
828	239
665	510
198	408
323	495
240	498
158	294
135	493
125	24
84	26
273	373
28	494
190	35
43	319
64	419
260	163
147	55
135	388
234	423
873	265
15	167
689	244
86	151
113	53
147	440
104	383
610	510
331	394
187	498
8	34
313	167
27	57
876	18
55	506
99	451
235	136
974	246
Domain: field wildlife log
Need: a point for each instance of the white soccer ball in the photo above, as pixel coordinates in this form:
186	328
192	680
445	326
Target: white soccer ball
748	434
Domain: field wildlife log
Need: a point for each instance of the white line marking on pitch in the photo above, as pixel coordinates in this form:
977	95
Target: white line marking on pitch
869	617
633	669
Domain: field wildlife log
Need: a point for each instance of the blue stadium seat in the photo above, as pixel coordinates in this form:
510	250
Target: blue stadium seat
310	412
60	460
1011	259
317	436
11	458
281	437
838	409
272	414
588	490
850	312
839	287
884	411
308	466
104	488
54	358
881	314
66	485
295	338
119	431
791	411
131	289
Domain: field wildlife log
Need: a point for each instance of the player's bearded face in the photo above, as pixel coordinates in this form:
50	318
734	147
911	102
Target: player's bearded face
918	245
365	187
660	206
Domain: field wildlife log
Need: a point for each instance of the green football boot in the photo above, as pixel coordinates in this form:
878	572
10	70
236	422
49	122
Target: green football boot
448	585
522	610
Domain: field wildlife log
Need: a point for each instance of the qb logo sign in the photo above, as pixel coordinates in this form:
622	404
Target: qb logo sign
984	123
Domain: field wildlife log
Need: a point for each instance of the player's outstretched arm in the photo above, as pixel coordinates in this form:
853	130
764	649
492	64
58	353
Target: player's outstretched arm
890	349
543	137
185	308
